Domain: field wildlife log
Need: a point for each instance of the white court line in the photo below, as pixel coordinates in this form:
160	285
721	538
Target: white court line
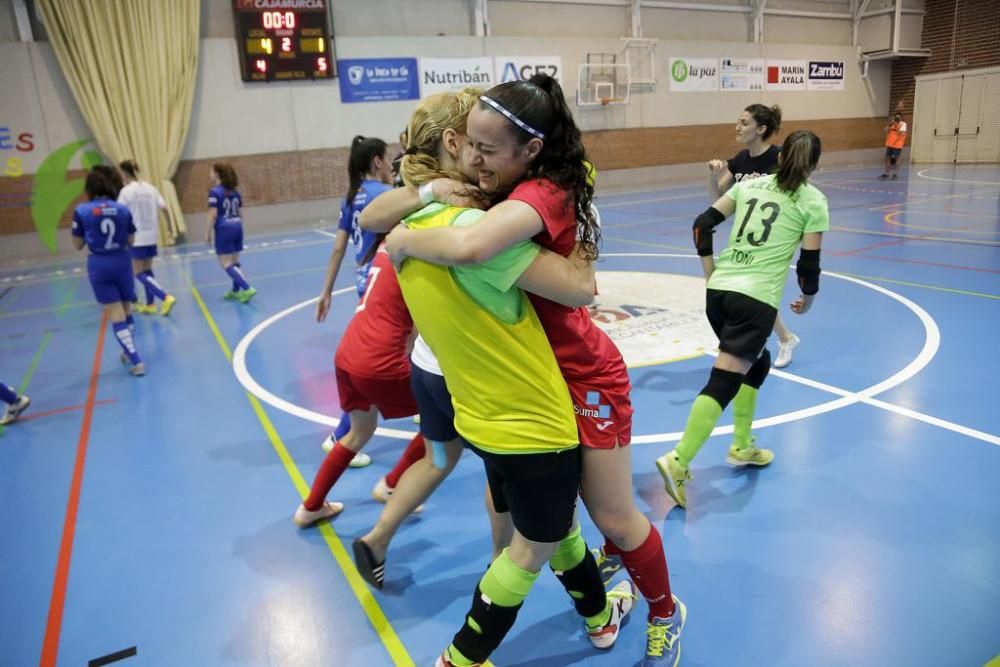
251	385
932	342
325	233
921	174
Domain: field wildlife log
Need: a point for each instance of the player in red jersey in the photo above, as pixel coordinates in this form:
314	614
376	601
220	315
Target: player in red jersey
373	376
527	149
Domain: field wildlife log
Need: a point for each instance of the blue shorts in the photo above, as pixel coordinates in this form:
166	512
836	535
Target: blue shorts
143	251
437	414
228	238
111	278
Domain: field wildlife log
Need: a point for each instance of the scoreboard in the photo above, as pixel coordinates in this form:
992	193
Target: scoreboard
284	40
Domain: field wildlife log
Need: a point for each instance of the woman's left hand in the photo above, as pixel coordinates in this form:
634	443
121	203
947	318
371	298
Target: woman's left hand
394	245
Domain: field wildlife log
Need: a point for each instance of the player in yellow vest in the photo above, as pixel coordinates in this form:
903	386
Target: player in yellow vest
511	404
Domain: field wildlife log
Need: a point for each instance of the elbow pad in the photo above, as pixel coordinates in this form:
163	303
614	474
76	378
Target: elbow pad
808	271
703	228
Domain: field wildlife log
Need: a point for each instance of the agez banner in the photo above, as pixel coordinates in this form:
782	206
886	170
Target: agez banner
378	79
513	68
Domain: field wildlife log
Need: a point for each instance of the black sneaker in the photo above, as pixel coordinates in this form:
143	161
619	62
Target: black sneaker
883	177
370	570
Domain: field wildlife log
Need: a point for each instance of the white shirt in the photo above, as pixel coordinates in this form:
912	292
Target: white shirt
144	202
423	358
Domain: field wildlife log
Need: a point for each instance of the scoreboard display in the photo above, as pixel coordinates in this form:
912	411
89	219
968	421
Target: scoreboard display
284	40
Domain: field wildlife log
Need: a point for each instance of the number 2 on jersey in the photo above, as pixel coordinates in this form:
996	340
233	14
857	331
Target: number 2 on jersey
773	210
108	229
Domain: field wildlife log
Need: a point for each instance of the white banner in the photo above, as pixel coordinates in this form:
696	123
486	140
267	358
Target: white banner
742	74
826	75
439	75
787	74
512	68
694	74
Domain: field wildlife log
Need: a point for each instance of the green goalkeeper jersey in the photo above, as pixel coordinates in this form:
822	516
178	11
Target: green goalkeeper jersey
767	228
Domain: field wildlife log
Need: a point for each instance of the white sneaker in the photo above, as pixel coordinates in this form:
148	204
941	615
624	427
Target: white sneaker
14	410
622	598
360	459
382	491
785	352
303	518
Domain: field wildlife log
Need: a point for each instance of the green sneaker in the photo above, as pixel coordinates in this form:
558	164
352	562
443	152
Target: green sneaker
750	455
674	476
231	295
246	294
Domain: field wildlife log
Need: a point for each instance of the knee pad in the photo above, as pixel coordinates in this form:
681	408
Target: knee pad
892	161
484	628
758	372
723	386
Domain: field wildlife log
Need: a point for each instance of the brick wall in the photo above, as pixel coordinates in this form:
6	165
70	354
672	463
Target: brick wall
970	28
276	178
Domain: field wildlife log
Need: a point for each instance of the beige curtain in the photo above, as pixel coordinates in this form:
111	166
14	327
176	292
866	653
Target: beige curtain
132	66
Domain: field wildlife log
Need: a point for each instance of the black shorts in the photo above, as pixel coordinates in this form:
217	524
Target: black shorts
893	152
539	490
742	323
437	414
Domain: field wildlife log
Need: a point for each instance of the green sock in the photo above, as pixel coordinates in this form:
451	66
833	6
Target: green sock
600	620
506	585
701	420
570	552
744	406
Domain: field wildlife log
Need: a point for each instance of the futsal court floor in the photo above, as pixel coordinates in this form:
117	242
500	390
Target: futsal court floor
154	513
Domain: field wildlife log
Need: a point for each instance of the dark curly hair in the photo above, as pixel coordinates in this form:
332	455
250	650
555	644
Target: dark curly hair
539	103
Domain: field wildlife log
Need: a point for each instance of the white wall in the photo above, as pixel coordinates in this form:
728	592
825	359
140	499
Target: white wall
232	118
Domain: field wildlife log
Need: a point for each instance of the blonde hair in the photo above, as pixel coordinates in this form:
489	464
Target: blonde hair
434	115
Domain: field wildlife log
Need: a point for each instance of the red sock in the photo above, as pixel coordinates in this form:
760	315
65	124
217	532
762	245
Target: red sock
332	468
647	566
413	453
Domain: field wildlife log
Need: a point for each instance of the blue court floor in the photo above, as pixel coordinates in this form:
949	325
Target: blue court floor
873	539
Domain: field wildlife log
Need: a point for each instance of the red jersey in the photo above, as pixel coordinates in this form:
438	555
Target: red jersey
374	344
584	352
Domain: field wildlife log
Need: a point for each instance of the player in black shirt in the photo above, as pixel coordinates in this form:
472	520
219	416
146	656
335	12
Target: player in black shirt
754	127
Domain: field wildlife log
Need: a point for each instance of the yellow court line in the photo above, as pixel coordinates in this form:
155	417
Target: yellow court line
890	218
385	631
923	285
647	364
913	237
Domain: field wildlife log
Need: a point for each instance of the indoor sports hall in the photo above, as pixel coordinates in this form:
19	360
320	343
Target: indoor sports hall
147	519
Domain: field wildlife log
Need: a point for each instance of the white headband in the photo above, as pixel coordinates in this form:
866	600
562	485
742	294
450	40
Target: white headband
512	118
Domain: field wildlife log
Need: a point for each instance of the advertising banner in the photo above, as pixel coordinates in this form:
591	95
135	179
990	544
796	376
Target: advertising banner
694	74
512	68
740	74
826	75
378	80
440	75
786	74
